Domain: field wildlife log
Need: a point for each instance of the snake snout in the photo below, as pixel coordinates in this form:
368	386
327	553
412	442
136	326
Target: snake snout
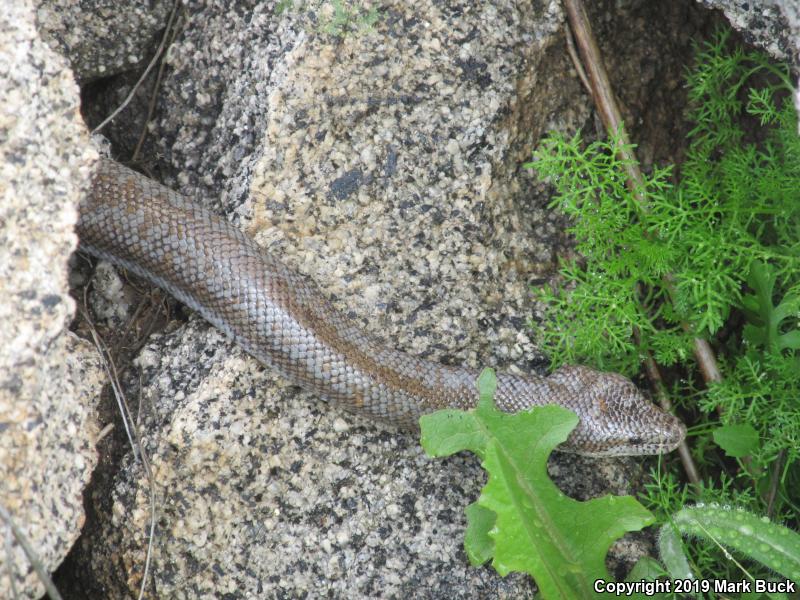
617	420
656	432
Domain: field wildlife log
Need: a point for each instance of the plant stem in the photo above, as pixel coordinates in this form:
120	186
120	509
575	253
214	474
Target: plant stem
654	374
608	108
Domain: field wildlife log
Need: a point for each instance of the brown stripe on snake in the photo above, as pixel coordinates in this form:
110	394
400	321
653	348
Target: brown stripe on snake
285	321
313	318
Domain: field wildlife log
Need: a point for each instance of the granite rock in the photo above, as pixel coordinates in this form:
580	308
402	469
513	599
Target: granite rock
49	380
101	37
382	160
772	25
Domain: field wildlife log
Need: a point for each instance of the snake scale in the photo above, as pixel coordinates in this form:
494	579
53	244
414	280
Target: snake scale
286	322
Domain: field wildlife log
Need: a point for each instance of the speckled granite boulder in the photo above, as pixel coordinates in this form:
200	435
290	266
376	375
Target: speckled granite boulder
384	163
49	380
101	37
380	167
773	25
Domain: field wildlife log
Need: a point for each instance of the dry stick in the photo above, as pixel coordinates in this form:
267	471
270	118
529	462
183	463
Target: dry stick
601	89
576	62
611	116
132	431
654	374
136	444
103	433
146	72
773	488
151	105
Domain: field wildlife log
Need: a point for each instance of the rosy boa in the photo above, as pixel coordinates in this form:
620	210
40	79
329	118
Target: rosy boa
286	322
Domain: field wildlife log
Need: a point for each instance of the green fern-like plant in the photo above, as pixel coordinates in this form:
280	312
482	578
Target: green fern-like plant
616	287
342	18
349	18
709	249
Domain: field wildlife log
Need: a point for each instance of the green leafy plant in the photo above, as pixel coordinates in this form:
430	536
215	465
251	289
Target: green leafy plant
709	249
768	325
522	521
342	17
615	288
349	17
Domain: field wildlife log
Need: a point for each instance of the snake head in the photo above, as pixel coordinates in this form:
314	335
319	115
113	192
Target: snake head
615	418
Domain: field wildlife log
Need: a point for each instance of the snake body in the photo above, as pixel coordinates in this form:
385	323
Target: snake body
285	321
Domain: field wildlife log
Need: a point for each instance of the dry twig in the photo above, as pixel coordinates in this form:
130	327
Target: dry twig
172	32
608	108
150	65
134	438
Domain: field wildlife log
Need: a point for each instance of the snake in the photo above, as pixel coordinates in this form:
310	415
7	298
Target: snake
284	320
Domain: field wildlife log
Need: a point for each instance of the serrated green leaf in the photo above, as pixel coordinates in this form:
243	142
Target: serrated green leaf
446	432
789	340
477	542
737	440
766	319
560	542
762	280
